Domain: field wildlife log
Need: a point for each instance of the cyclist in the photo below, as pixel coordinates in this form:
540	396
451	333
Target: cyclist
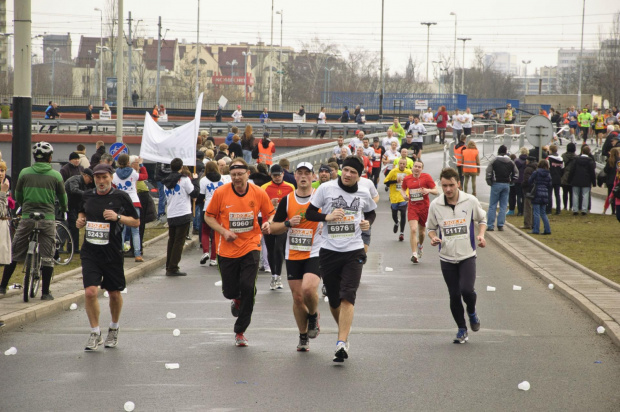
103	212
37	188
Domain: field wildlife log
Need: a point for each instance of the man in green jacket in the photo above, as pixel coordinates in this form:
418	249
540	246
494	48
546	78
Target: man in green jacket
584	118
37	188
398	130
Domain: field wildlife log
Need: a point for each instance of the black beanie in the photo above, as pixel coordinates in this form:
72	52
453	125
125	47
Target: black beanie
355	163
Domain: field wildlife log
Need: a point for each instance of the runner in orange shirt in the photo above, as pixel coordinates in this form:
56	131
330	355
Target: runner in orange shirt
232	213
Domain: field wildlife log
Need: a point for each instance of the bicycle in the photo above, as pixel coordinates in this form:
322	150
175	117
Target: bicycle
63	238
32	266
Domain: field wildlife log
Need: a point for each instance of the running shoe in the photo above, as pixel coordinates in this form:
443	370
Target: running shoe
401	237
395	228
279	282
213	262
304	344
324	291
204	258
414	258
240	340
235	304
342	352
112	339
273	283
94	341
461	336
420	250
474	322
313	325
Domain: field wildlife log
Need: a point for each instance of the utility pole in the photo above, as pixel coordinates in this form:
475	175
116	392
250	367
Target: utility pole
463	39
583	14
428	37
22	99
120	75
197	48
129	69
271	57
381	67
454	56
158	58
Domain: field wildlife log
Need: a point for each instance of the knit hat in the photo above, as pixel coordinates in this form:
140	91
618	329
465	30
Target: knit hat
74	155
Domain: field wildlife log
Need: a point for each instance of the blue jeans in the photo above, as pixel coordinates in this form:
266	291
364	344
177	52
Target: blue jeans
134	234
161	207
198	218
247	156
584	193
540	211
499	193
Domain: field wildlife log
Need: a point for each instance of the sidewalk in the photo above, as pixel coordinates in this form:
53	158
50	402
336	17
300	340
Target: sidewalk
594	294
67	288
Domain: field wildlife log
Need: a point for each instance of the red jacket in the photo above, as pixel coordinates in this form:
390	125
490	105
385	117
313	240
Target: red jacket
444	119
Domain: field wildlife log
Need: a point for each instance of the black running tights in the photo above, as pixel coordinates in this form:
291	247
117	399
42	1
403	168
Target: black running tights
403	219
460	278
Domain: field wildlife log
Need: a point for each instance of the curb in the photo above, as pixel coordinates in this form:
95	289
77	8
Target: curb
612	327
45	309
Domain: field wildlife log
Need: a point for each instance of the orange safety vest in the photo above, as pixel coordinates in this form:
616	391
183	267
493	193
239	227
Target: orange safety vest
155	115
469	161
265	155
458	154
300	238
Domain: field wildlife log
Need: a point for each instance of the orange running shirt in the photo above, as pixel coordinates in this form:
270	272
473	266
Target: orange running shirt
239	215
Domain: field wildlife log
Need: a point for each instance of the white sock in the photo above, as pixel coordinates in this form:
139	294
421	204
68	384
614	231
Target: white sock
95	330
113	325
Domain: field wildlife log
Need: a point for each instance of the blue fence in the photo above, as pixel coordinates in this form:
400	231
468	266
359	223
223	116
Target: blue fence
406	102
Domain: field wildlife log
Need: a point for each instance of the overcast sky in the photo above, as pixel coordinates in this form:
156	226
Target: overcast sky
530	29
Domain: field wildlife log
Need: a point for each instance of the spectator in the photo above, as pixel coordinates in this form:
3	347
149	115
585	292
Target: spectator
302	111
222	151
521	161
611	170
500	173
5	204
346	116
471	165
235	151
99	151
494	116
247	143
556	166
261	176
321	119
361	117
72	168
155	113
75	187
134	98
89	117
528	217
162	170
233	131
264	116
265	150
611	140
5	113
218	114
288	176
567	191
582	176
208	184
162	110
81	151
237	114
457	126
541	179
442	118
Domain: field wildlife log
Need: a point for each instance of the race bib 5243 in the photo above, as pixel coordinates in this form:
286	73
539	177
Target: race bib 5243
98	233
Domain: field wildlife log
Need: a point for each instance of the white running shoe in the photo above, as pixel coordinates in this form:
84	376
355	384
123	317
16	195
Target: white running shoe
279	282
420	250
414	258
274	282
204	258
342	352
213	262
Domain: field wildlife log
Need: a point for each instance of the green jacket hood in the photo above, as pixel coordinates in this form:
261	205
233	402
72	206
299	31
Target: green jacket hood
42	167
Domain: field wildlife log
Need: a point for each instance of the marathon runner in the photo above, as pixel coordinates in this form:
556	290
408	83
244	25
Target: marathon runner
303	243
419	185
451	220
376	157
347	209
232	213
418	131
103	213
325	172
394	180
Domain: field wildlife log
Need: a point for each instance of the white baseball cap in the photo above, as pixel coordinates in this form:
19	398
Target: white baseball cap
307	165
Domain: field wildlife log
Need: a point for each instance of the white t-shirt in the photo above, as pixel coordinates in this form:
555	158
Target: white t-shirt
387	142
417	130
237	115
369	152
128	185
207	187
468	120
338	150
355	142
456	122
321	118
368	184
391	156
428	117
179	202
343	235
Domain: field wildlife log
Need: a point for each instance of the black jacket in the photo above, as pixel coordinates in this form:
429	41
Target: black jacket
69	170
75	187
583	172
556	165
542	179
530	167
569	161
607	146
290	178
259	179
162	170
502	170
95	159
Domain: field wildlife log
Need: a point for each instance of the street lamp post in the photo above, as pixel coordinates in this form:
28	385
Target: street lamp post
381	66
54	50
100	59
90	52
197	49
428	36
583	14
271	57
525	63
232	70
454	56
437	63
245	77
281	13
463	39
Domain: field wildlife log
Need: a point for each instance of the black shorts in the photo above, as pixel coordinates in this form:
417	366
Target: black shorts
417	146
296	269
109	275
341	273
467	131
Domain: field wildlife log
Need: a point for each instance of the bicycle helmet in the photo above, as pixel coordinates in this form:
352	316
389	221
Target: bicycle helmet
42	150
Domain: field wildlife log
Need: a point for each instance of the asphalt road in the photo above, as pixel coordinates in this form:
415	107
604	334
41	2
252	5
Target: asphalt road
401	357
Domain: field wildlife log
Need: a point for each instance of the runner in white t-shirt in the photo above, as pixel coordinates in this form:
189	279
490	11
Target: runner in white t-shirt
467	120
388	139
428	116
208	184
457	126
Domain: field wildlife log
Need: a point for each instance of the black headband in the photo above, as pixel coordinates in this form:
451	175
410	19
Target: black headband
355	163
238	166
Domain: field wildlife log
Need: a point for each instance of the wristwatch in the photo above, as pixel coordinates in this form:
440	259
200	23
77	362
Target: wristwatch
287	223
118	218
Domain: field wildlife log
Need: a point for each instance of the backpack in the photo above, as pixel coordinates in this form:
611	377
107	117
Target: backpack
255	150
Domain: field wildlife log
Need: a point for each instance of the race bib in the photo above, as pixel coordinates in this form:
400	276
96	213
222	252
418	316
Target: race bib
415	195
399	180
344	228
98	233
300	239
455	229
241	222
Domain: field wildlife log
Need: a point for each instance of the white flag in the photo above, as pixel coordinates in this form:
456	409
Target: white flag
161	145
